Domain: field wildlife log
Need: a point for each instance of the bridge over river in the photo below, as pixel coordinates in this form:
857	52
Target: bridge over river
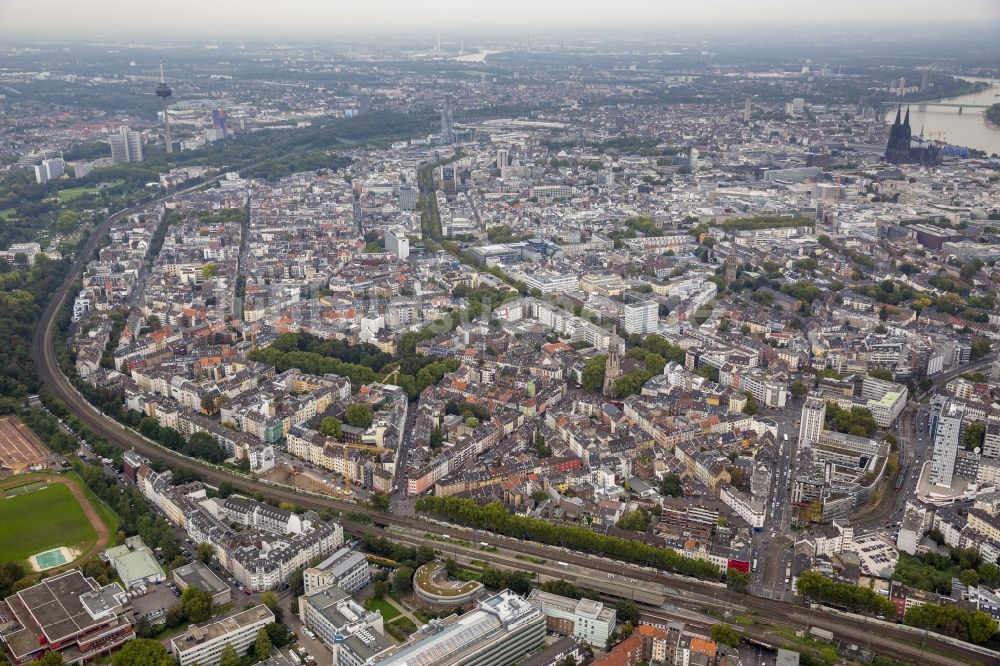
940	104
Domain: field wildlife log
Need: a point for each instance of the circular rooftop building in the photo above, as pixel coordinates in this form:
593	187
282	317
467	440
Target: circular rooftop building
433	587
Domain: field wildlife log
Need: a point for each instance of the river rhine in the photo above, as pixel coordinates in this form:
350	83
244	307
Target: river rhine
968	128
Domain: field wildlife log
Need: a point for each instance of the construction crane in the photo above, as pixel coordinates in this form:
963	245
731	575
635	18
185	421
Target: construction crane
394	375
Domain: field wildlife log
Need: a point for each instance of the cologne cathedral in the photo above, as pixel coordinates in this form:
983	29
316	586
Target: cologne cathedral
902	148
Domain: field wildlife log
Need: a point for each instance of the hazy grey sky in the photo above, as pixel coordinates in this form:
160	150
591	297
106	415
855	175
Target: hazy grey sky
182	17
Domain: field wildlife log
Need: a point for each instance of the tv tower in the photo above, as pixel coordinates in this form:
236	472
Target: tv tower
163	91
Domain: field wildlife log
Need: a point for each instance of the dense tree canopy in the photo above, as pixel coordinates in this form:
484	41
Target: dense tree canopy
262	645
814	586
725	635
976	626
402	580
228	657
142	652
637	520
359	415
593	373
496	518
856	421
362	364
331	426
671	486
196	604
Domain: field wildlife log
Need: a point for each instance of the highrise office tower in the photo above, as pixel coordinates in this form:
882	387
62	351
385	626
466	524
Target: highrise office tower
219	120
133	140
503	157
163	91
447	131
119	148
641	318
747	111
449	180
49	169
126	146
408	197
813	417
946	440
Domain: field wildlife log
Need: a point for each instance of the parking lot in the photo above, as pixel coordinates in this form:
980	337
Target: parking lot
154	604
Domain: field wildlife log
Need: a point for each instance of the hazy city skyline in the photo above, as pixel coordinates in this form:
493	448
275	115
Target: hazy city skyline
107	17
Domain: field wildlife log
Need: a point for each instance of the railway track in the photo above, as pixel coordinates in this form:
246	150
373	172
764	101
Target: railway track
48	369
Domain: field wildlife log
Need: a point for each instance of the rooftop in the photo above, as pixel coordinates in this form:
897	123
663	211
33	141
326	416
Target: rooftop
199	575
582	607
136	565
195	636
425	579
55	605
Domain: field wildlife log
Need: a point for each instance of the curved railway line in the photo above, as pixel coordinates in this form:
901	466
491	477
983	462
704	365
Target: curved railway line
894	641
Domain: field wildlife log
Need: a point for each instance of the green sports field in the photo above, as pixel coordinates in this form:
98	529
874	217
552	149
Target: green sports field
43	519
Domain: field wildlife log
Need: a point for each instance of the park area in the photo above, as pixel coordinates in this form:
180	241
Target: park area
39	515
75	192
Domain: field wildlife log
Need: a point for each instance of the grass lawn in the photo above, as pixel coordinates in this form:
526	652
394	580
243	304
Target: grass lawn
41	520
401	628
73	192
406	624
7	213
389	612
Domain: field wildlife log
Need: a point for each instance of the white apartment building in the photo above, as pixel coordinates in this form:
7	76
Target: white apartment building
765	391
346	568
334	616
126	146
549	282
813	417
550	192
752	510
991	443
49	169
885	400
590	621
641	318
203	645
946	441
397	243
29	250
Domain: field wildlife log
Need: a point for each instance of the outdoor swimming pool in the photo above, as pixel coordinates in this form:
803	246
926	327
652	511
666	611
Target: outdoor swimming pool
50	558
